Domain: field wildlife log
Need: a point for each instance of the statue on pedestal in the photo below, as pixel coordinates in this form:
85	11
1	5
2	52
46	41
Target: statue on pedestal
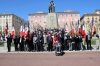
51	7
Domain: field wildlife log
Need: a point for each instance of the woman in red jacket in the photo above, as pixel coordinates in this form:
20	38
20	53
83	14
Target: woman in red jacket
55	39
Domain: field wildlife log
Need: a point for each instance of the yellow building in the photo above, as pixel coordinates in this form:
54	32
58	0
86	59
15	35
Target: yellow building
87	18
10	18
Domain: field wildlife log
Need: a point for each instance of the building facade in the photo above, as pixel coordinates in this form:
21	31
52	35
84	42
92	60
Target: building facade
39	19
87	18
11	19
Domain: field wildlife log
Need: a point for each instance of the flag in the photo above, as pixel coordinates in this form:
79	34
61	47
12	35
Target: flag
79	28
93	27
83	30
6	28
72	29
13	31
28	31
66	28
21	29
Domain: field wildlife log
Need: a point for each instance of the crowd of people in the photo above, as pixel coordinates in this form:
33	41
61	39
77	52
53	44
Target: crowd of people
48	40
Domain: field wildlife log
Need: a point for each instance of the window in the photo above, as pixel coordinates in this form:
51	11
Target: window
71	19
58	20
3	16
40	16
96	21
66	15
62	15
35	20
40	20
0	16
62	20
31	21
35	16
71	14
9	19
76	20
31	16
66	20
57	15
44	16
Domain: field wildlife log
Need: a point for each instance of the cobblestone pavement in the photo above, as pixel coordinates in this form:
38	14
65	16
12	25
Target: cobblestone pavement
49	59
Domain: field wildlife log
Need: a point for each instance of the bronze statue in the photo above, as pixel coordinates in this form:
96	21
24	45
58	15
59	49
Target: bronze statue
51	7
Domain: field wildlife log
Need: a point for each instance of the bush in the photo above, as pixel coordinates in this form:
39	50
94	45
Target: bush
93	41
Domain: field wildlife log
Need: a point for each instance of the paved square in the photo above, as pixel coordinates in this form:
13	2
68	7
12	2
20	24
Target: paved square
49	59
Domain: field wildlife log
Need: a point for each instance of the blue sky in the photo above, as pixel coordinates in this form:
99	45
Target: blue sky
22	8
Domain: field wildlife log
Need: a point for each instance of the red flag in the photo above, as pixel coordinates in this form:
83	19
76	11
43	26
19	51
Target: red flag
21	29
93	27
83	30
13	31
28	31
73	29
6	28
79	28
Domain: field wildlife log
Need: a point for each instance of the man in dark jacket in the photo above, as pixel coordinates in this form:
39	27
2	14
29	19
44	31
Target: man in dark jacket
49	42
21	42
76	42
16	43
88	41
40	41
9	41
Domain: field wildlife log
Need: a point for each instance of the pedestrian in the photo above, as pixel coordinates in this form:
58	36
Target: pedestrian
9	41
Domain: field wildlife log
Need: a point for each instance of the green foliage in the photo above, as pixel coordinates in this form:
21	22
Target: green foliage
93	41
1	44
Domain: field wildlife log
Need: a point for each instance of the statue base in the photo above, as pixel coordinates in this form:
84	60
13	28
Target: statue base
52	21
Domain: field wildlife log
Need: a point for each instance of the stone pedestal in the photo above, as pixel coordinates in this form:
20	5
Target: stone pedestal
97	44
52	20
5	45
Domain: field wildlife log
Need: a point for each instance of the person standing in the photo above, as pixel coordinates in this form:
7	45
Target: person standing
55	39
76	42
9	41
16	43
45	41
40	41
49	42
21	42
60	40
35	43
80	42
70	42
26	46
88	41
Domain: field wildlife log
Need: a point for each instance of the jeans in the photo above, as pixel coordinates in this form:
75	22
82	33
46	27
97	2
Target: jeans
81	46
26	47
70	46
58	49
35	47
